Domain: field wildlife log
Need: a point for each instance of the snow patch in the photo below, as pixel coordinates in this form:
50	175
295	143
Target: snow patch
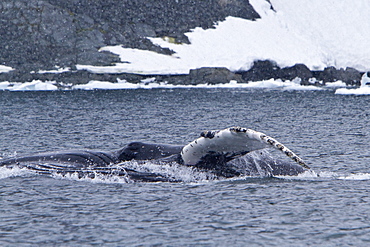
355	91
151	83
335	84
316	33
5	69
35	85
57	70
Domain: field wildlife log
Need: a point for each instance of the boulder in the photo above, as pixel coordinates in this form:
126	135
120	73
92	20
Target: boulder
266	69
349	75
213	76
298	70
261	70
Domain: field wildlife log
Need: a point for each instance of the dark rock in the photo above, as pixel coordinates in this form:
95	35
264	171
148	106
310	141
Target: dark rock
349	75
42	34
196	76
261	70
71	77
297	71
213	76
264	70
174	79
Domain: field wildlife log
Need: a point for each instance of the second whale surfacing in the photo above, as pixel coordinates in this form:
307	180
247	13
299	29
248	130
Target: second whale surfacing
227	153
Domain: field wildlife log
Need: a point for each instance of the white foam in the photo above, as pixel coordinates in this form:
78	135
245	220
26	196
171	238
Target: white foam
13	172
173	170
307	175
334	175
356	176
98	178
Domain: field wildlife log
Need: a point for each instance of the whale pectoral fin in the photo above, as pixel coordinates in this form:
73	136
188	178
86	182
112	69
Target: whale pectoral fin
232	142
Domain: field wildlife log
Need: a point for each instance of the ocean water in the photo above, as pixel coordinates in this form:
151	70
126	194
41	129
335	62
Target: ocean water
330	132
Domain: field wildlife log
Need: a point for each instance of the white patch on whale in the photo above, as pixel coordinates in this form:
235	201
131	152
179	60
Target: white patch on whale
233	141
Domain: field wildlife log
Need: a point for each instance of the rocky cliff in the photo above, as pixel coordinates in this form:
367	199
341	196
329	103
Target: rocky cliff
39	34
44	34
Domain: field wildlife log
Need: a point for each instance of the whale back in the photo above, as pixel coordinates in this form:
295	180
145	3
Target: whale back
72	158
147	151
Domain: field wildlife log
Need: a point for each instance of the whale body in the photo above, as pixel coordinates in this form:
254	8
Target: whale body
231	152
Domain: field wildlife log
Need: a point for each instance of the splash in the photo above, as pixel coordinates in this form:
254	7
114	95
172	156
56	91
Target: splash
355	176
144	171
13	172
94	177
251	166
172	171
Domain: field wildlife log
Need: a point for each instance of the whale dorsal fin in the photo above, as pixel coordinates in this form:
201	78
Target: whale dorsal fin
232	141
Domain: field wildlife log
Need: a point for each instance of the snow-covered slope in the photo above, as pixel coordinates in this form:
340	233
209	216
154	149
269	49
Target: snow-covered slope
316	33
340	29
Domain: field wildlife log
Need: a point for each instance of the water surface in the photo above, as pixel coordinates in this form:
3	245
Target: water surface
329	131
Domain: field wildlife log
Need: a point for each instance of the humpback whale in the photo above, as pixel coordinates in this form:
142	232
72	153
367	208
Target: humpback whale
225	153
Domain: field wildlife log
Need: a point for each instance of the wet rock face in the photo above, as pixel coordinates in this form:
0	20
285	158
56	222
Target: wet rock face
36	34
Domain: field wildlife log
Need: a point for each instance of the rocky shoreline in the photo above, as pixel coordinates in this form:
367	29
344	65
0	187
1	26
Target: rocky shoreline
39	35
261	70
